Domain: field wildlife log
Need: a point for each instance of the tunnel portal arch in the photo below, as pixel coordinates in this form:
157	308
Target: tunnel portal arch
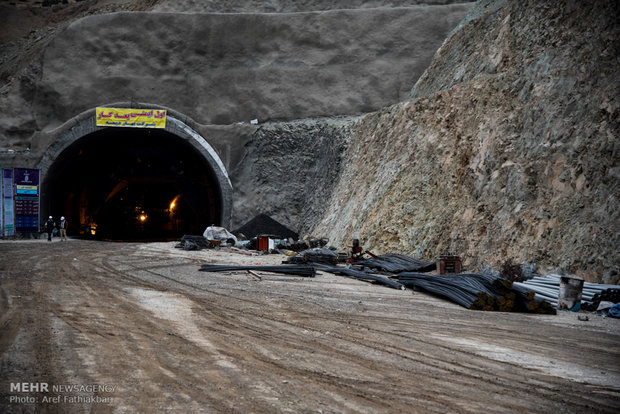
111	176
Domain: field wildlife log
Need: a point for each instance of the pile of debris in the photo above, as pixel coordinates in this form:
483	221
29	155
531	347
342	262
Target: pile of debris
317	255
263	224
262	234
189	242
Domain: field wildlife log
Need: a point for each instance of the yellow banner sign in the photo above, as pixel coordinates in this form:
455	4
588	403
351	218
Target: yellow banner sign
134	118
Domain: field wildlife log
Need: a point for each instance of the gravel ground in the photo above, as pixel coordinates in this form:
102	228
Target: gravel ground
154	334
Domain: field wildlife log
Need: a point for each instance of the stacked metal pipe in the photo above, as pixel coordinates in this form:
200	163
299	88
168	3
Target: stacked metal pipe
548	287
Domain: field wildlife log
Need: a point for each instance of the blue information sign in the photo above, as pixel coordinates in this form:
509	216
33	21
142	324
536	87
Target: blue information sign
8	225
26	199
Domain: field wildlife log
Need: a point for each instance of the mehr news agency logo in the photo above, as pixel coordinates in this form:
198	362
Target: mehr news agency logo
60	394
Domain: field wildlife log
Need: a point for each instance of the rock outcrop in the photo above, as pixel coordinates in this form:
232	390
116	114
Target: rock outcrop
508	149
288	171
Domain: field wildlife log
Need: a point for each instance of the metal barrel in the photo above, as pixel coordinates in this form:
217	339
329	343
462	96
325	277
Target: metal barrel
569	295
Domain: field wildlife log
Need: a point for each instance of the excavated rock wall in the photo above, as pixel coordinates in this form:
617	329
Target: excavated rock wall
288	170
509	148
285	6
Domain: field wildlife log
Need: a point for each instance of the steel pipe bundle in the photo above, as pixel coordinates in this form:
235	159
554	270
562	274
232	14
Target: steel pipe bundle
294	270
544	292
548	287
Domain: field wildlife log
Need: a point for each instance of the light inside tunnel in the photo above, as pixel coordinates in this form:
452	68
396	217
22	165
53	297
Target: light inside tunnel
128	184
173	204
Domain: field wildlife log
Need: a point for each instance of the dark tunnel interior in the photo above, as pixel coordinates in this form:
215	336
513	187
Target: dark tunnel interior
132	184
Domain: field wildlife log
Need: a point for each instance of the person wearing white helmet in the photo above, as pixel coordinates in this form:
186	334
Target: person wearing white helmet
62	226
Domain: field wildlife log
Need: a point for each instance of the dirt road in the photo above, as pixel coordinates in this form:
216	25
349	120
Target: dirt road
114	327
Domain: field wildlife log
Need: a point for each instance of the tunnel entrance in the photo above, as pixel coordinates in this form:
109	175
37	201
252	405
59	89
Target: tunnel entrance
132	184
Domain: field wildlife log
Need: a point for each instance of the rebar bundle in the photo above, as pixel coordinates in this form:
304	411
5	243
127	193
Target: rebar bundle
319	255
360	275
397	263
478	292
294	270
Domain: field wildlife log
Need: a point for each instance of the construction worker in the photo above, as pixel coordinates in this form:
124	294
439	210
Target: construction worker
49	227
62	226
357	252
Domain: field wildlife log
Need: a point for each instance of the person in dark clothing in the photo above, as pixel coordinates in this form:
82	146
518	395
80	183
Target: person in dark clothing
49	227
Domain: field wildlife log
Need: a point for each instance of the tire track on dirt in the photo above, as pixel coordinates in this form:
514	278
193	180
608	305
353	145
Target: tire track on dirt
470	372
124	339
254	333
228	344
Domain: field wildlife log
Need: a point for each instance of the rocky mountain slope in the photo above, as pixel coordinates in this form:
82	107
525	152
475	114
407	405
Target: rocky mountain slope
227	68
284	6
508	148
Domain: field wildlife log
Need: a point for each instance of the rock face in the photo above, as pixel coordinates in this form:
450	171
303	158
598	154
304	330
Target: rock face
508	149
288	170
284	6
227	68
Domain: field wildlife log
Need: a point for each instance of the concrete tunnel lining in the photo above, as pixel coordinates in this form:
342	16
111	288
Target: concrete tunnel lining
84	125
